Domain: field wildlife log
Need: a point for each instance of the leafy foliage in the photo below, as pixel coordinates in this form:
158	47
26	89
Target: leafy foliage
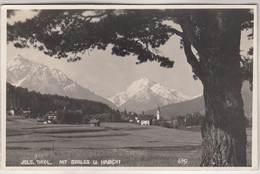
65	34
247	70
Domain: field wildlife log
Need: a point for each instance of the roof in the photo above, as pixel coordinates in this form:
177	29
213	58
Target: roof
145	117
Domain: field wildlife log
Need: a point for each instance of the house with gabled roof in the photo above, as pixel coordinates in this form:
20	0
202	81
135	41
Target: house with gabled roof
146	119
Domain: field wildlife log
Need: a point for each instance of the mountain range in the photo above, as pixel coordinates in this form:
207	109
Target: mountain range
38	77
144	94
140	95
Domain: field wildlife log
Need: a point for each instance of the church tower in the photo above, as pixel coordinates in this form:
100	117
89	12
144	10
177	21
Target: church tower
158	113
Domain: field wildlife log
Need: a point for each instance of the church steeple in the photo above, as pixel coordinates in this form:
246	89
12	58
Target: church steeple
158	113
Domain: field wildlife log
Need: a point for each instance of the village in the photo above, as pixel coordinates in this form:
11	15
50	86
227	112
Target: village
65	116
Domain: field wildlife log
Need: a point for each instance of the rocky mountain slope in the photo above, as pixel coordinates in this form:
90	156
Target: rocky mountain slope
38	77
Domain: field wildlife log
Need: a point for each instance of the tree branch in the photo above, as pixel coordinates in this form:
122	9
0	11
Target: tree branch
177	32
90	17
191	58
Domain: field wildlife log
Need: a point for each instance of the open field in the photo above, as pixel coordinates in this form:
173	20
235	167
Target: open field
132	144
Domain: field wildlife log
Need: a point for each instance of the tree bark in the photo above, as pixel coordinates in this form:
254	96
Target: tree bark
217	40
223	129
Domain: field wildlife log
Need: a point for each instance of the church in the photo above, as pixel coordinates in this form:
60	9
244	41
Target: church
150	119
158	114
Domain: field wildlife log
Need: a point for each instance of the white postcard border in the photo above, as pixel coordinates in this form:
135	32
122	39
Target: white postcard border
255	128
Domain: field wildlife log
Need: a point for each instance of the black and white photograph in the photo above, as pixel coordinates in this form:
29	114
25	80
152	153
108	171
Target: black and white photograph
104	86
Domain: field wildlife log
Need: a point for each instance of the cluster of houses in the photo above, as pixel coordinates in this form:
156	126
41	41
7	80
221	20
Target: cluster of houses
51	118
193	119
146	119
24	113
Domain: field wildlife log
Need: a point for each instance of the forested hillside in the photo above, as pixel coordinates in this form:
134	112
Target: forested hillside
21	99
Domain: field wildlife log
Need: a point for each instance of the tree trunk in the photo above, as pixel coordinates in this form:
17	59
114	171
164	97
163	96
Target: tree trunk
216	37
223	129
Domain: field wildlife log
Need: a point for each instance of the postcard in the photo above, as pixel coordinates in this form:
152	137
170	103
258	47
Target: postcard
119	87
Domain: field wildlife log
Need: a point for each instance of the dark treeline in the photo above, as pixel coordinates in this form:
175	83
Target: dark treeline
21	99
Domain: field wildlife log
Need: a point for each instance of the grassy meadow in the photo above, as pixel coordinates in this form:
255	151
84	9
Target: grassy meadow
29	143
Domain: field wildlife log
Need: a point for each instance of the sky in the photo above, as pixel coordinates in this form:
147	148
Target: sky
107	74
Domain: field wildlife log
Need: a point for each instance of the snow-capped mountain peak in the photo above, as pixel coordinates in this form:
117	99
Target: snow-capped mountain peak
20	70
144	94
35	76
138	86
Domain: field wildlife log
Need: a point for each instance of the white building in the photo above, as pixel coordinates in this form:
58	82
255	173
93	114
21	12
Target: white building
10	112
146	119
145	122
158	113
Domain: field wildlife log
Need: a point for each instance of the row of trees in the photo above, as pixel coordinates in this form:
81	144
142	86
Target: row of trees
194	119
71	117
68	116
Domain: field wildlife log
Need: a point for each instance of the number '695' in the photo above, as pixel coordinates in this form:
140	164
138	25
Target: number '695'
182	161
